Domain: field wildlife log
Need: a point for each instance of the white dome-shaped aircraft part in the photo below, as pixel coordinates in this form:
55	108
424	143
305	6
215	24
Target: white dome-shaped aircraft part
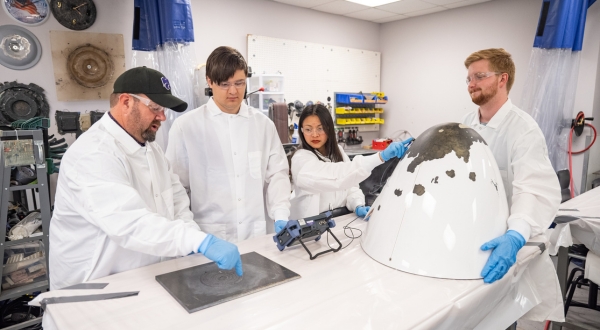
443	201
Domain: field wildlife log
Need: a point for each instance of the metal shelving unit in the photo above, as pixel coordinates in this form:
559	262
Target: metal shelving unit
39	165
364	115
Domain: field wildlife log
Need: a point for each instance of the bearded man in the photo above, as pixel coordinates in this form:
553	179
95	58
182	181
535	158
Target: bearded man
118	204
519	147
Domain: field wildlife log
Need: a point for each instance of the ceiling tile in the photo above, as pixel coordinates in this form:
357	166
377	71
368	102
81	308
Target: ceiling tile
304	3
340	7
442	2
425	11
406	6
390	19
370	14
464	3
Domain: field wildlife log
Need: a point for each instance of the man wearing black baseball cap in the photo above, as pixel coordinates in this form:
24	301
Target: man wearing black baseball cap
118	205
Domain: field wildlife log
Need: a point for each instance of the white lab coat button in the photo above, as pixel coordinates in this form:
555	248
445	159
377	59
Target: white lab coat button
155	195
239	199
235	153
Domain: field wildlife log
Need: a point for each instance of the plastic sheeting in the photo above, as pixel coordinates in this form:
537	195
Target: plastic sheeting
343	290
549	97
584	229
177	62
549	94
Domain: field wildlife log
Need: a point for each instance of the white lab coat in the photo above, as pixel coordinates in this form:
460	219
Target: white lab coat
118	207
323	185
532	187
226	162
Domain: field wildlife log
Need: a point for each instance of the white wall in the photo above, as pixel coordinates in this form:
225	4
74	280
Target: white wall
424	74
422	57
216	23
588	88
227	22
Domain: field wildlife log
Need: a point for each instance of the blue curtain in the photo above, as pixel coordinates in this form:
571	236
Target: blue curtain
159	21
562	23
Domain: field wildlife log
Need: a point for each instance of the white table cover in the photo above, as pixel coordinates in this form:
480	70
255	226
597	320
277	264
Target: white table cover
343	290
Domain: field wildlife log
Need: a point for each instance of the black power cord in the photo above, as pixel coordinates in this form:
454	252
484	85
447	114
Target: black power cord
347	227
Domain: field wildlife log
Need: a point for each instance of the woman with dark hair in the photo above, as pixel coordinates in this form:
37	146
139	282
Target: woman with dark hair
323	176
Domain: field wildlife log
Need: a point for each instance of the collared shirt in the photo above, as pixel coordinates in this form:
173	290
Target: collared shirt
519	147
322	185
234	167
113	118
118	207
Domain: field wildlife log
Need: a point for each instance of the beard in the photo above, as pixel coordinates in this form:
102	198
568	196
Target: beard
484	96
147	134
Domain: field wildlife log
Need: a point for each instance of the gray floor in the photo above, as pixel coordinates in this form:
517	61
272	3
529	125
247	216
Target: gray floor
582	317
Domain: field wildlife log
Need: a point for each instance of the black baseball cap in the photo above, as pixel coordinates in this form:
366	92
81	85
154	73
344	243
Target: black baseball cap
155	85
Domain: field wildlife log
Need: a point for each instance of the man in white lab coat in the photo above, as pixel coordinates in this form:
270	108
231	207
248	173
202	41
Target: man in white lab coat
229	157
515	139
118	204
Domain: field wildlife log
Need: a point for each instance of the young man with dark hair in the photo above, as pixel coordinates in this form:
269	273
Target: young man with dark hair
519	147
229	157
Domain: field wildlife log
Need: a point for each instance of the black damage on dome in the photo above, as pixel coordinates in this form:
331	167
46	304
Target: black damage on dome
440	140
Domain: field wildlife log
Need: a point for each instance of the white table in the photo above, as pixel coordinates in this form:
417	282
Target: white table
578	220
343	290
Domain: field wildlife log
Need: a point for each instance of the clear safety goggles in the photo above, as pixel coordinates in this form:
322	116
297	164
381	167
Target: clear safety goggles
479	76
150	104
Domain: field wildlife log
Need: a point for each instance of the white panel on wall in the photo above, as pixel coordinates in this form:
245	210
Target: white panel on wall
312	72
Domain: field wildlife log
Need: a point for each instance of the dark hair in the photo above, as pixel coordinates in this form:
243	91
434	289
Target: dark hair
222	64
332	151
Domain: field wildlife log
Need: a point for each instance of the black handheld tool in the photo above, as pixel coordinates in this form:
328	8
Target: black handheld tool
298	231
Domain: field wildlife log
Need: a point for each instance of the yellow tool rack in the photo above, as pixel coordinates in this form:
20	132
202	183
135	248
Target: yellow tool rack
364	109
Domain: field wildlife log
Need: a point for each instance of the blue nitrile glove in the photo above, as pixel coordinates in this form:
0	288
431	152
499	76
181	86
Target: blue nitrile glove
395	149
223	253
279	225
362	211
503	256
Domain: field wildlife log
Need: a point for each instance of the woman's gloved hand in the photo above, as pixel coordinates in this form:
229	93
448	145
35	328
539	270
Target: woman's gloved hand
362	211
279	225
223	253
395	149
503	256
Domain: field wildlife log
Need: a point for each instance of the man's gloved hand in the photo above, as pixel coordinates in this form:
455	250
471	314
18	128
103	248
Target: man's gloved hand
503	256
362	211
279	225
395	149
223	253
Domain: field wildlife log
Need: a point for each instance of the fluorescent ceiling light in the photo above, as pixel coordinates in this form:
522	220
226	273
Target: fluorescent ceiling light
373	3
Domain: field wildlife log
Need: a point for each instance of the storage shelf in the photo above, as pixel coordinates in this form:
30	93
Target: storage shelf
359	121
39	200
357	111
365	102
359	98
29	288
23	240
27	186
